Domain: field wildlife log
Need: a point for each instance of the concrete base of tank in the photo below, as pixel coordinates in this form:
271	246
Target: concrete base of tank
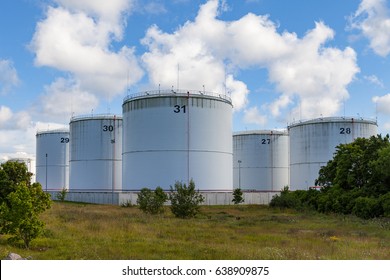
120	198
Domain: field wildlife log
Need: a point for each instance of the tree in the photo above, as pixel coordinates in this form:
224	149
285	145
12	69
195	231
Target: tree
237	196
352	165
185	200
20	213
12	173
152	202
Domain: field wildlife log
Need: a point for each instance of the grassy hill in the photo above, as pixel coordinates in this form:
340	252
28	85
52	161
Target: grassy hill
86	231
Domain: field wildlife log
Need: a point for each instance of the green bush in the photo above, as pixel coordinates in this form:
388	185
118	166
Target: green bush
185	200
286	199
367	208
385	202
152	202
61	195
237	196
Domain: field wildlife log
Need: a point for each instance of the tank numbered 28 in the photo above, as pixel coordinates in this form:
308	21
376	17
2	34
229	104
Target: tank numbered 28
344	130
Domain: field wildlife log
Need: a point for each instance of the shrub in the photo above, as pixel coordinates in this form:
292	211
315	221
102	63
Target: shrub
367	208
62	194
152	202
185	200
385	202
237	196
286	199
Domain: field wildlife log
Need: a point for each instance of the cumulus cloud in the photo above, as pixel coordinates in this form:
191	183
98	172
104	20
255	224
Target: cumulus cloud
253	116
10	120
8	76
76	38
382	103
372	19
302	69
64	97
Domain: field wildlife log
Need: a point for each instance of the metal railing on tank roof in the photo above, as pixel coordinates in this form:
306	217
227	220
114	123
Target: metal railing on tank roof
94	116
180	92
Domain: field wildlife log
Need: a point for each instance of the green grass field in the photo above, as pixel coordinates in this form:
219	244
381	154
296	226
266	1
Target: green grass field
86	231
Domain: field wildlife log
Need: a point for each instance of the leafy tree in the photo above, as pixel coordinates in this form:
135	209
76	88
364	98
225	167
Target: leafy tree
352	165
185	200
20	216
152	202
12	173
356	180
237	196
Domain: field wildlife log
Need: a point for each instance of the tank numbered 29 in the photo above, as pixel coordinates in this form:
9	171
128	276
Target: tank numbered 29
108	128
64	140
344	130
179	109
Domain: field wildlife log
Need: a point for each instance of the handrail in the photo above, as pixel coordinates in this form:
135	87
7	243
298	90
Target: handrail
180	92
330	119
48	130
93	116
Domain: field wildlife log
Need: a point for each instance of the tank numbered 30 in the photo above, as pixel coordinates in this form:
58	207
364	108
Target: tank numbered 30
108	128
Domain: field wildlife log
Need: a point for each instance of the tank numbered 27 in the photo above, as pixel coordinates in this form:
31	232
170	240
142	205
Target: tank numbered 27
265	141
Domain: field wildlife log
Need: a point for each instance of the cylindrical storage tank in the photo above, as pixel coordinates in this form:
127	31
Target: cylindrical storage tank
52	159
313	143
261	160
177	136
96	153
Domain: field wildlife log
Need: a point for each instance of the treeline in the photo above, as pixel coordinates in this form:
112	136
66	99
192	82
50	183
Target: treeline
356	181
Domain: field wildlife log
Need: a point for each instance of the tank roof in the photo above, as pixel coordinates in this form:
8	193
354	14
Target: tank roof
180	92
260	132
333	120
53	131
95	117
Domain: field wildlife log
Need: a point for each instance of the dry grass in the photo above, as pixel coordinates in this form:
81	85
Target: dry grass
86	231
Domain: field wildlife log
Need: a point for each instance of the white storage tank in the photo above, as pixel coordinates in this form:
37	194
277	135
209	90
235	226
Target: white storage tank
96	153
177	136
313	143
52	159
261	160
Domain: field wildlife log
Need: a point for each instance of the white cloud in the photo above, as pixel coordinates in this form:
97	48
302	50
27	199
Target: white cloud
372	18
382	103
154	8
76	38
64	97
13	121
374	80
302	69
8	76
253	116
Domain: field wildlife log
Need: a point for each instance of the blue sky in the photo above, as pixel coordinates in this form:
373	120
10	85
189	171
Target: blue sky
280	60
